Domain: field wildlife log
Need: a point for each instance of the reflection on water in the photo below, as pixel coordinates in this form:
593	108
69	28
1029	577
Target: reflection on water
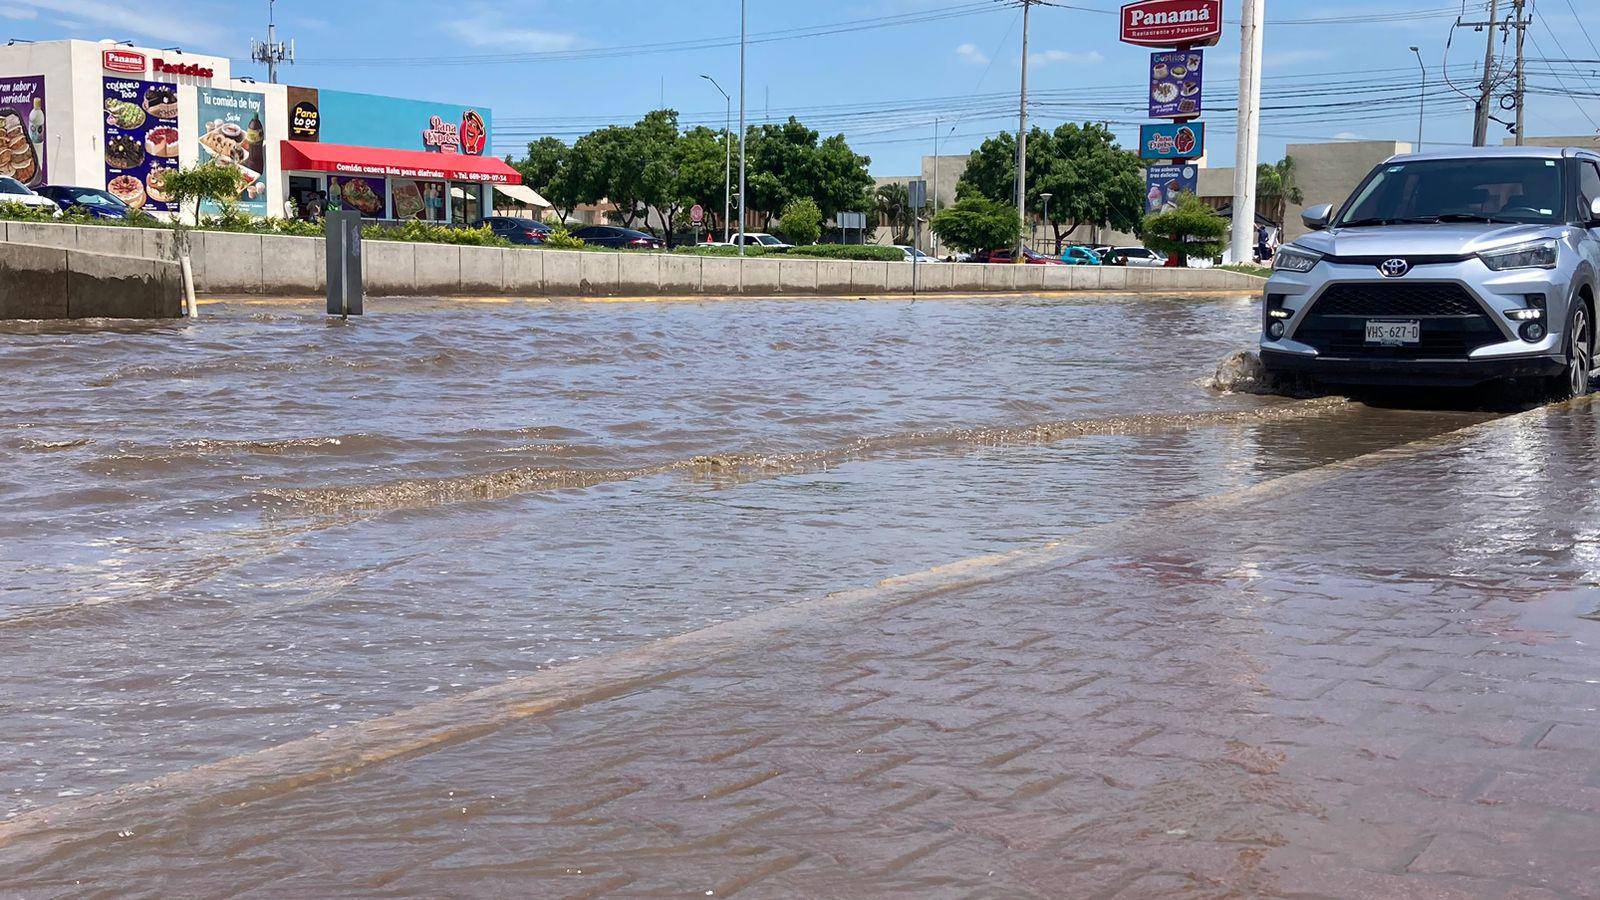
222	535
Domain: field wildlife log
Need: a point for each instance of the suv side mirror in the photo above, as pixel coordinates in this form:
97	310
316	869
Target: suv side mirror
1318	217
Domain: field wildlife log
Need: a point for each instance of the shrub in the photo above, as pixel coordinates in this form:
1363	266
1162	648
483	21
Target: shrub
432	233
560	238
870	252
19	212
718	250
214	181
1193	229
801	222
974	224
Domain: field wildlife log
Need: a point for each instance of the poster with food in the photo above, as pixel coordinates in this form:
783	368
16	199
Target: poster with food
1175	84
1164	184
407	198
365	195
141	142
22	129
231	134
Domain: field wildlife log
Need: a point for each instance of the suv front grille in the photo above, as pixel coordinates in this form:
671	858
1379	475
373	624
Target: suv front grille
1453	323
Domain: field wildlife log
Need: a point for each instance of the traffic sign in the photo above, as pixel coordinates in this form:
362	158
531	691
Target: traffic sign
697	214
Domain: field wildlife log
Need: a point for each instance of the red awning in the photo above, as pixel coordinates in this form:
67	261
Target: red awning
374	162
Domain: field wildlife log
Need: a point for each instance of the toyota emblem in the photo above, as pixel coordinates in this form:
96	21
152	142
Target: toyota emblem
1394	268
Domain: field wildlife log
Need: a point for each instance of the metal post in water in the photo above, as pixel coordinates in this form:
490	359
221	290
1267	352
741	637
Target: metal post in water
190	307
342	234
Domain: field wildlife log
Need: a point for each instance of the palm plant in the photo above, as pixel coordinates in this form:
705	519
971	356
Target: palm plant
1276	186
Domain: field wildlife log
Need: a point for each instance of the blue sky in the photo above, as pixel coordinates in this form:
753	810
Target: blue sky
883	86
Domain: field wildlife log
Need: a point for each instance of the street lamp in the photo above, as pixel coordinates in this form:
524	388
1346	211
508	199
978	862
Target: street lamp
727	165
1422	99
742	34
1046	199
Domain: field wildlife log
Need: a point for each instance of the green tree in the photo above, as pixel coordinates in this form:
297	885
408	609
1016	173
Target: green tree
977	223
542	164
892	202
1092	180
801	221
839	177
213	181
1276	187
700	169
1192	230
992	168
789	161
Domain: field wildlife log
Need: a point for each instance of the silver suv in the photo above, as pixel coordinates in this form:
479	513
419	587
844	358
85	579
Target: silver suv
1449	268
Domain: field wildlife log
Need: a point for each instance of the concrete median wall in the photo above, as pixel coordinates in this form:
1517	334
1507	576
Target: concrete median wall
39	282
227	263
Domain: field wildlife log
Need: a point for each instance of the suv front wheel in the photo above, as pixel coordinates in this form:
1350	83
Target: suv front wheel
1574	382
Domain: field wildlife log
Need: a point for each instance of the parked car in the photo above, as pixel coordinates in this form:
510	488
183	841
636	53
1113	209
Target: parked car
615	236
97	203
1454	267
765	241
1138	257
1028	256
913	253
515	230
14	191
1080	256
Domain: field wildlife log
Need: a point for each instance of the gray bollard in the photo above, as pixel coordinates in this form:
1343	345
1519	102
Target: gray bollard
343	234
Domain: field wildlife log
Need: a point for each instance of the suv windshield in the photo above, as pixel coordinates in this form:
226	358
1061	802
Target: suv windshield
1508	189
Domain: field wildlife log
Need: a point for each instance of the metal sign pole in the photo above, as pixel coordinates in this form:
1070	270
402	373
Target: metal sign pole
342	233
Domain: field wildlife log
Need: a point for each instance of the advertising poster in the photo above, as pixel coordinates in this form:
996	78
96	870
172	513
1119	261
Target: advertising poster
1175	84
22	129
365	195
141	141
305	114
1164	141
422	200
231	132
1163	184
373	120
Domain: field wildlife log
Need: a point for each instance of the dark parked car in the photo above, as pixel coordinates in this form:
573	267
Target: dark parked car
1004	256
95	202
517	231
613	236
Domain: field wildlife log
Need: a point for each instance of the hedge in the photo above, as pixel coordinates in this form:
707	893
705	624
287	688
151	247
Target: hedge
867	252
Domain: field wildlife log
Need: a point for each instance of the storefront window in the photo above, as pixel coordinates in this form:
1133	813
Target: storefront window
421	200
365	195
465	203
306	199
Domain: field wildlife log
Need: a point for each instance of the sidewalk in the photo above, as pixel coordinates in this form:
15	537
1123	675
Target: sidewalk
1368	680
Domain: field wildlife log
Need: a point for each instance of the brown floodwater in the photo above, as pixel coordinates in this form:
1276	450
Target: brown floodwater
223	535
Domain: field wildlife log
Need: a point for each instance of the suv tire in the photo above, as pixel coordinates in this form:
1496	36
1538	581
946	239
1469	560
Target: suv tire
1574	381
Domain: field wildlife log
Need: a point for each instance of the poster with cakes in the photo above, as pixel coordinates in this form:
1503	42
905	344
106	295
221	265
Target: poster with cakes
22	129
231	134
1175	84
141	144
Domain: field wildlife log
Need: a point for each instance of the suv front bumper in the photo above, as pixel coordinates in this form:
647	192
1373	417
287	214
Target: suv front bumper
1436	372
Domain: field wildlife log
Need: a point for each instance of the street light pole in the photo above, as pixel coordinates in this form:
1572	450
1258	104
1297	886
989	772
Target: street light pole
1422	101
742	218
727	164
1247	153
1022	138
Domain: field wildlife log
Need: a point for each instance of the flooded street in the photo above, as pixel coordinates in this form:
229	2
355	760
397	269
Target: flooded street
224	537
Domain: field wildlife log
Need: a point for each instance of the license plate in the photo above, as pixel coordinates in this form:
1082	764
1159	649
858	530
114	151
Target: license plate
1393	334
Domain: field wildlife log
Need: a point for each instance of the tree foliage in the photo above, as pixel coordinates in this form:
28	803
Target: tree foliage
977	223
1091	179
802	221
214	182
1192	230
892	202
1276	186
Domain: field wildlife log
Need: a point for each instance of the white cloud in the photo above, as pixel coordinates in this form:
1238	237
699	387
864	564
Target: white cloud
971	54
487	27
1347	136
17	13
1050	57
164	22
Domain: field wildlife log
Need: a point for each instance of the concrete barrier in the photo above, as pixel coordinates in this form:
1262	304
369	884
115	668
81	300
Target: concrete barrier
39	282
233	263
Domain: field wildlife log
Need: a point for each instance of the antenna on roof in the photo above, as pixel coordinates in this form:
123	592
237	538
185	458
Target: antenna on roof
273	51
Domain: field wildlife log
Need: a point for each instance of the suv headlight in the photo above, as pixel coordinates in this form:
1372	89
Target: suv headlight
1291	259
1537	255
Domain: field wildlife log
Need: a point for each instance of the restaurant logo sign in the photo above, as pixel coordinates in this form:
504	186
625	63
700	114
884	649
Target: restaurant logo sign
163	67
471	137
1172	23
1172	141
305	118
123	61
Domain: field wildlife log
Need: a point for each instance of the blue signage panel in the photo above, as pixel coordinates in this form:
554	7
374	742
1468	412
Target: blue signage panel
1176	86
1172	141
1163	184
372	120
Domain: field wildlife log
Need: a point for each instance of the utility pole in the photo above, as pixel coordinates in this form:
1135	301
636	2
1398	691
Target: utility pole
935	182
272	52
742	217
1422	99
727	162
1522	81
1022	138
1248	151
1480	123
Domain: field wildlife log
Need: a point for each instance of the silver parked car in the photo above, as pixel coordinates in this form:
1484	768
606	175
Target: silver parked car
1449	268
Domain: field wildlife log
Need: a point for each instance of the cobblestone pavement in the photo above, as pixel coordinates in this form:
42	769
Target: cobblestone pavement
1372	679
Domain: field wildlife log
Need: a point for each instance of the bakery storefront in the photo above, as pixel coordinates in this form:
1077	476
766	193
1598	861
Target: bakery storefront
389	158
120	117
